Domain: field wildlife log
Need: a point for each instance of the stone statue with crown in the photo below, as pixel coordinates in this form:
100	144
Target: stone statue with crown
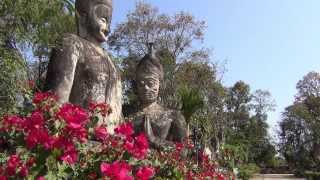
162	126
79	70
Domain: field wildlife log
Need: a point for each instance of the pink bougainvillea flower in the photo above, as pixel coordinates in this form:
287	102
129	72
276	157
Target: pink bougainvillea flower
70	155
31	161
190	175
142	146
138	146
73	115
102	108
116	171
23	171
76	118
179	146
61	143
42	96
221	177
79	133
13	163
13	122
41	178
36	137
35	121
145	173
125	129
101	133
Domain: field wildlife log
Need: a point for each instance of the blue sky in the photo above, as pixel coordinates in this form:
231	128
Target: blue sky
269	44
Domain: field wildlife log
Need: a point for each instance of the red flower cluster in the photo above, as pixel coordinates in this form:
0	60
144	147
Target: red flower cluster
44	101
63	132
33	127
76	119
36	129
15	166
137	146
101	133
145	173
36	132
120	170
116	171
10	123
125	129
101	108
70	154
41	97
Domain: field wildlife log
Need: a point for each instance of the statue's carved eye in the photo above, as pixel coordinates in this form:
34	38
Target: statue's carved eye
104	20
142	82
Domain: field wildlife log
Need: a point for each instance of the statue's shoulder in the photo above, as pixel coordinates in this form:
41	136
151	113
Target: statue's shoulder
178	117
70	40
69	37
175	113
136	115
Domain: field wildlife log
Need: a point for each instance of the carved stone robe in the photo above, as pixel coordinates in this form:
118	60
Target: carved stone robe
79	72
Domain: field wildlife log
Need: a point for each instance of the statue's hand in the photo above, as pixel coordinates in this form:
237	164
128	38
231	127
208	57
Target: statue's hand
148	129
155	141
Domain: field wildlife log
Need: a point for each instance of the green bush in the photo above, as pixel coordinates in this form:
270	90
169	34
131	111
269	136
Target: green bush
248	170
311	175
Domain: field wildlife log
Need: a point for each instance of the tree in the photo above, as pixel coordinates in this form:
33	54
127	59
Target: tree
13	79
247	126
296	138
262	102
29	29
238	107
173	38
309	86
299	128
173	33
191	102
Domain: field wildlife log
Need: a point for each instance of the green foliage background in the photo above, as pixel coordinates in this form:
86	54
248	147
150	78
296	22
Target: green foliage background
28	32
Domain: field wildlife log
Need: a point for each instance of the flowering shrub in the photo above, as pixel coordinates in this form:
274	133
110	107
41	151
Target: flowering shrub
65	142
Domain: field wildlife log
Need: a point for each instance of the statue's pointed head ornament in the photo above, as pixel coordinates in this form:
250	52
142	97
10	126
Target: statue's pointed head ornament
150	64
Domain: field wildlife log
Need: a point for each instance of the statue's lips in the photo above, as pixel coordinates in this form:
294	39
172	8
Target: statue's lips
105	32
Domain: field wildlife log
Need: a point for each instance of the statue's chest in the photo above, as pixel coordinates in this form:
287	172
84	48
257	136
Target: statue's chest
161	124
97	68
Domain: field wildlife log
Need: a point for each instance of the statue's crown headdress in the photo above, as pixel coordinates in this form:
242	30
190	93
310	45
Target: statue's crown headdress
150	63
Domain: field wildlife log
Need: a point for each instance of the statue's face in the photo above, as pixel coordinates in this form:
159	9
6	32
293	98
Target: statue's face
148	87
99	21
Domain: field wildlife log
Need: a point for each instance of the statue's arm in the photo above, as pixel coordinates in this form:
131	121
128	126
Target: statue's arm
62	67
155	141
178	131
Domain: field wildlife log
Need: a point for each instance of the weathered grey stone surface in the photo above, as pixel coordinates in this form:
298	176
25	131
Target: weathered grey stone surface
162	126
79	70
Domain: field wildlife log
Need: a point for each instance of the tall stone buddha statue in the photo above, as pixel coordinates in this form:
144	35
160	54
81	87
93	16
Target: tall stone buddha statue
162	126
79	70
